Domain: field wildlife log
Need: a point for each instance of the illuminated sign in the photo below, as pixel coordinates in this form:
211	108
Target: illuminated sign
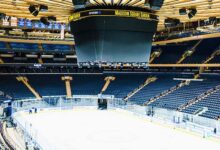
122	13
145	15
94	12
112	12
135	14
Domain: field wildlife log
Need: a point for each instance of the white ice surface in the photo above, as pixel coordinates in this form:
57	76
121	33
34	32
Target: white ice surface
92	129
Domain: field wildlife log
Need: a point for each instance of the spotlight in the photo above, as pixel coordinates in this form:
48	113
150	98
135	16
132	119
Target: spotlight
43	8
182	11
45	21
192	13
33	10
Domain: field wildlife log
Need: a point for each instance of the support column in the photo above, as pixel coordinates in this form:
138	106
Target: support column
40	60
188	52
24	80
67	80
202	69
107	82
1	61
154	55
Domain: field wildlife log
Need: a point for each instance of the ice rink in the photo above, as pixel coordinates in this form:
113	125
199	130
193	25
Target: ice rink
90	129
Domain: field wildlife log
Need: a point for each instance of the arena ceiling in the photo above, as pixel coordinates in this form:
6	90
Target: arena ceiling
62	9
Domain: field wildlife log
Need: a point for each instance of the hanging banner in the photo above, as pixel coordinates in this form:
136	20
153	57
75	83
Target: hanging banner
14	21
62	33
5	21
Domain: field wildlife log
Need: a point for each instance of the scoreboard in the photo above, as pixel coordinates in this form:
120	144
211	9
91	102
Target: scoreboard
113	35
113	12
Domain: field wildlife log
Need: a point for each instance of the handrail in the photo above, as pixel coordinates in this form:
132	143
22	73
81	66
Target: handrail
27	133
9	144
198	98
166	92
2	140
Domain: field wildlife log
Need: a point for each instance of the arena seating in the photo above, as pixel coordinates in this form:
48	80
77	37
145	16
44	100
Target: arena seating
24	47
174	52
81	85
56	48
203	51
215	59
52	85
163	83
124	84
212	102
11	86
3	46
186	93
87	84
42	84
2	98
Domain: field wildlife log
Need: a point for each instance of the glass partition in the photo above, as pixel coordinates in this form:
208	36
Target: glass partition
205	126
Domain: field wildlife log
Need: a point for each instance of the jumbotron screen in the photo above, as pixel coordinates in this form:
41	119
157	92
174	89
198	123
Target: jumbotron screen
112	38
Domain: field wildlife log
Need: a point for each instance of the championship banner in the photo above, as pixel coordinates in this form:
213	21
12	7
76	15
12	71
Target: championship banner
5	21
62	36
14	21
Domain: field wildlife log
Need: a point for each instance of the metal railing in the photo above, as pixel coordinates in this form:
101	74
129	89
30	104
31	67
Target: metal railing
204	126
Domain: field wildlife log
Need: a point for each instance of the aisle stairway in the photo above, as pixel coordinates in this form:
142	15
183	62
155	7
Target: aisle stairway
184	94
212	102
167	92
132	93
199	98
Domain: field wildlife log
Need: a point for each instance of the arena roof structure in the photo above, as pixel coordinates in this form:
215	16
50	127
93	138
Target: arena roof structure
62	62
62	9
179	23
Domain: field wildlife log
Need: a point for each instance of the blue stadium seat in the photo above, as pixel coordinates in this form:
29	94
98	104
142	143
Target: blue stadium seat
161	84
24	47
203	51
3	46
171	53
186	93
56	48
52	85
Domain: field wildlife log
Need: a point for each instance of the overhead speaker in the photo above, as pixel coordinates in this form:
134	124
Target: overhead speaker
170	22
45	21
52	18
2	15
182	11
33	10
79	3
155	4
192	13
43	8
